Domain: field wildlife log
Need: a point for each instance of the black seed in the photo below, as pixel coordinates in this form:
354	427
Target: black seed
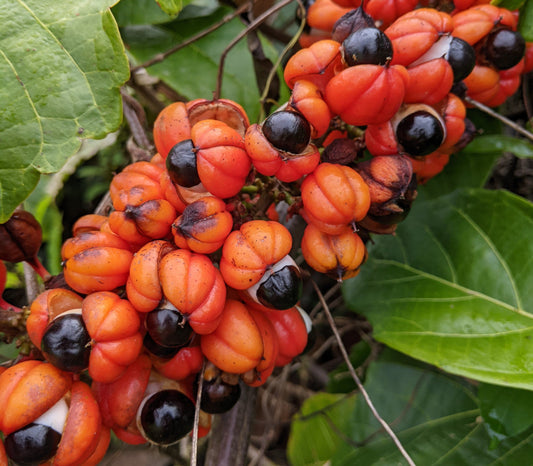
367	46
504	48
420	133
181	164
66	343
282	289
218	396
32	445
287	131
167	416
164	352
462	58
168	327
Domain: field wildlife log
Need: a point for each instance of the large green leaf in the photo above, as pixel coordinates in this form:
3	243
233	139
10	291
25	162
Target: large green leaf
507	411
315	430
453	287
526	21
192	71
61	67
435	416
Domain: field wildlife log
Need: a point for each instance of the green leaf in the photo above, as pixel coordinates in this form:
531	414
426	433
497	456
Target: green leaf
128	12
192	71
453	287
509	4
340	379
466	169
315	430
61	67
170	7
525	25
435	416
499	143
507	411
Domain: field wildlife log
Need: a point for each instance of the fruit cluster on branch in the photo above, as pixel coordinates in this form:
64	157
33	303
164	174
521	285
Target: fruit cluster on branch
192	276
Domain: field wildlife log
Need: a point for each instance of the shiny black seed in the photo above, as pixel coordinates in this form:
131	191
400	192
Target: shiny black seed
462	58
367	46
168	327
164	352
181	164
32	445
287	131
66	343
217	396
504	48
420	133
282	289
167	416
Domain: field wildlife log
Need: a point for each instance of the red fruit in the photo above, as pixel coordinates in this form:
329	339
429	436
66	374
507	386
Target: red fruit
387	11
270	161
170	127
475	23
247	253
143	286
318	64
203	226
292	334
221	159
47	306
270	349
188	361
113	325
367	94
36	381
236	346
334	198
307	99
339	256
195	287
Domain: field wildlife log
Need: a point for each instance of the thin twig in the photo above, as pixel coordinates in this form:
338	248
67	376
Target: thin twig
253	25
194	452
161	56
504	120
286	49
356	379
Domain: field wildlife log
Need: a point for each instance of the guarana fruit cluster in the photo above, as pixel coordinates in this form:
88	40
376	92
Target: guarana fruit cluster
191	273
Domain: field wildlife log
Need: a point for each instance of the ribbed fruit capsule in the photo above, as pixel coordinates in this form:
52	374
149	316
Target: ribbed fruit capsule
195	287
275	161
214	158
236	346
317	63
248	252
113	325
48	305
143	286
367	94
186	362
203	226
335	197
270	349
339	256
385	12
291	331
174	122
307	99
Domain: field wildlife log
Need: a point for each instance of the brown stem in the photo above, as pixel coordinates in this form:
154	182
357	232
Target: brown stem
504	120
230	433
356	379
161	56
252	26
